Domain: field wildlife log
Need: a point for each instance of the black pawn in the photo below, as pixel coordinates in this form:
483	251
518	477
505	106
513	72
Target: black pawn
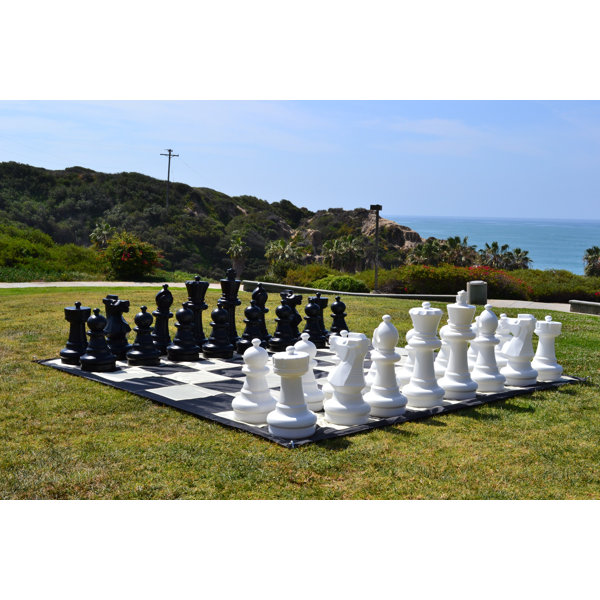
77	342
230	287
260	296
218	345
322	302
337	312
196	291
162	314
253	315
293	301
184	347
284	332
98	356
116	327
143	351
313	327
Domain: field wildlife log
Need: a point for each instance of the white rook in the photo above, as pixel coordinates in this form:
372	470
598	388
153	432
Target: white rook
255	401
519	353
485	372
346	405
544	361
291	418
423	391
457	382
384	396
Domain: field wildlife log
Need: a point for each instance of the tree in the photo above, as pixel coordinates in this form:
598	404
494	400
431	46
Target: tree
494	255
520	259
101	234
238	252
459	252
282	250
427	253
345	253
591	260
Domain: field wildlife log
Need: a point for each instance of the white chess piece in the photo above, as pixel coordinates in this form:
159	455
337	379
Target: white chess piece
519	353
254	401
384	396
346	405
441	360
504	335
473	350
327	388
485	372
312	394
544	361
457	382
404	373
291	418
423	391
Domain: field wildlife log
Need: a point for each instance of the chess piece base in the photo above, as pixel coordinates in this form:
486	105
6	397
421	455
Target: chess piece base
426	397
176	354
70	357
546	373
92	367
148	361
516	378
385	404
339	413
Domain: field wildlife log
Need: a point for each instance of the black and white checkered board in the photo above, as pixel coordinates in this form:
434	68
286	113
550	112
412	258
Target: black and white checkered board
206	388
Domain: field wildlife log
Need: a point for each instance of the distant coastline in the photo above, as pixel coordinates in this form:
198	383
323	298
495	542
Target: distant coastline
552	243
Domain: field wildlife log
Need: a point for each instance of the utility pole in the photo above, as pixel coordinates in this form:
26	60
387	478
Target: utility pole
376	208
168	171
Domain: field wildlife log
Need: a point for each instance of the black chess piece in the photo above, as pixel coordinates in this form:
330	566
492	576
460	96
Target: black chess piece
338	314
183	347
162	314
253	328
196	292
260	296
293	301
143	351
98	356
230	287
77	343
313	326
322	302
116	327
218	344
284	332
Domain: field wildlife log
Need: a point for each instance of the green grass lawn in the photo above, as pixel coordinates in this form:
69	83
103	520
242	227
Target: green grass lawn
66	437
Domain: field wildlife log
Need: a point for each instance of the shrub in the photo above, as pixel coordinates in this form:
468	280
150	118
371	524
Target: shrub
446	279
307	274
340	283
127	257
558	285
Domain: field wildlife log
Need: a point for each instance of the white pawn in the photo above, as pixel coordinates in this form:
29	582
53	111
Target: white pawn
312	394
291	418
384	396
485	372
504	335
404	373
441	360
473	350
519	353
327	388
255	401
423	391
457	382
544	361
346	405
370	376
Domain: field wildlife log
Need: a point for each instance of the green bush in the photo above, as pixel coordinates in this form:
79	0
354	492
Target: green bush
340	283
304	276
446	279
557	285
127	257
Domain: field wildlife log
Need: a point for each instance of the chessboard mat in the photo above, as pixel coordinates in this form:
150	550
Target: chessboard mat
205	388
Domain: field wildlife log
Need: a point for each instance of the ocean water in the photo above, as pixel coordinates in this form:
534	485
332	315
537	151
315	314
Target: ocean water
552	244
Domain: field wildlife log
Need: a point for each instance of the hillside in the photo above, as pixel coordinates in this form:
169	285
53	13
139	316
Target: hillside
194	233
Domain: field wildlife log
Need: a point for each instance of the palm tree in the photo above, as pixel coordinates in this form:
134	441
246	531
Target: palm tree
238	251
344	253
494	255
282	250
429	253
101	234
459	252
520	259
591	260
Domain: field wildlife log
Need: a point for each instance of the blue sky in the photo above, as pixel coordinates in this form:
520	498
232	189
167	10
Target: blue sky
479	158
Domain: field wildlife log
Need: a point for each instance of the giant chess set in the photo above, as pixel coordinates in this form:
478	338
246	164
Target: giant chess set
294	387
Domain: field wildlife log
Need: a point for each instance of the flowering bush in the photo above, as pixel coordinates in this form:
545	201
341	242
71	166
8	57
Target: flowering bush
127	257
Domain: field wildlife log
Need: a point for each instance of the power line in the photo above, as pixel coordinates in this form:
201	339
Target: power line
168	171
